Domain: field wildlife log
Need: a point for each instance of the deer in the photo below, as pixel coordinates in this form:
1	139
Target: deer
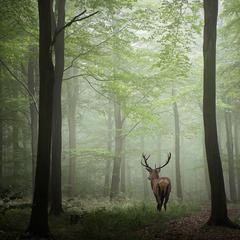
161	186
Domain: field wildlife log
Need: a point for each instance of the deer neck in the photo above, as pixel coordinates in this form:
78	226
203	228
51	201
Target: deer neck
154	181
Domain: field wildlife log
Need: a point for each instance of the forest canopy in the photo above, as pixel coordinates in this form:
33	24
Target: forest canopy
88	89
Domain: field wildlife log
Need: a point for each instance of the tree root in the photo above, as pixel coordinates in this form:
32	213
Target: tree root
225	223
36	236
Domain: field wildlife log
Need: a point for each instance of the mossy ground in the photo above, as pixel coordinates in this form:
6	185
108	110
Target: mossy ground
125	220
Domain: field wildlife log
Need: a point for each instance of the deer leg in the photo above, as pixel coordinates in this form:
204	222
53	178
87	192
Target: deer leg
160	201
165	202
166	198
157	200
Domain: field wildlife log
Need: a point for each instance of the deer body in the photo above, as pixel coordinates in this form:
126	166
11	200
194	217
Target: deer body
161	186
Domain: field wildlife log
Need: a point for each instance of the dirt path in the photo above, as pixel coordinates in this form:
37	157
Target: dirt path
191	228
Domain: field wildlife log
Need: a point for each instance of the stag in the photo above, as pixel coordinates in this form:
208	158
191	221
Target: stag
161	186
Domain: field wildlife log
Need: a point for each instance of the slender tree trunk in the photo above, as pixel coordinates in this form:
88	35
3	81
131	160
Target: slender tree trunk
38	226
128	178
72	93
159	148
220	137
1	132
33	114
118	152
218	196
231	169
109	148
56	191
177	149
15	139
144	174
123	167
206	174
237	154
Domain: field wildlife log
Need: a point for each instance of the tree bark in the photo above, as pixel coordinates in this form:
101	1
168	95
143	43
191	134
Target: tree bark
72	95
38	226
206	174
218	197
31	80
177	149
118	152
56	186
229	144
109	148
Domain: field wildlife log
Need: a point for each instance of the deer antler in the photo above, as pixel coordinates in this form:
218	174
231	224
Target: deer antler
169	157
145	164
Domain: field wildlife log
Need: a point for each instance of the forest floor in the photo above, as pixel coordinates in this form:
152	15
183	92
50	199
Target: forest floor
125	220
193	227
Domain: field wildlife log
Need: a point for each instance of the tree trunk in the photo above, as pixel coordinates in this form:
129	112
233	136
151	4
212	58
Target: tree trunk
118	152
72	94
15	156
159	148
206	174
231	169
1	133
218	196
144	174
177	149
128	178
109	148
236	144
38	226
220	135
123	167
56	191
33	114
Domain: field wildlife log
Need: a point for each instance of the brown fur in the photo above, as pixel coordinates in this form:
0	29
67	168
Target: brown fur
161	187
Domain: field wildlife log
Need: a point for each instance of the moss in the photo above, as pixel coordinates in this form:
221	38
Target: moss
98	220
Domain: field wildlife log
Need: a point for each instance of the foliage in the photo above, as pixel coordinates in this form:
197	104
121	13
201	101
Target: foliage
104	220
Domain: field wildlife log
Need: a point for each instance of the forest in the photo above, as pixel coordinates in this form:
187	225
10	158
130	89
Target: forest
119	120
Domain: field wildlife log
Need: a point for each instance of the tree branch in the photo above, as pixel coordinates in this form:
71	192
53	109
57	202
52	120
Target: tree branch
75	76
90	84
74	19
131	129
22	83
89	50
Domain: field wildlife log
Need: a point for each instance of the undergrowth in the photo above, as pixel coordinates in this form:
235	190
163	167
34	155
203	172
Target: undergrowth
100	220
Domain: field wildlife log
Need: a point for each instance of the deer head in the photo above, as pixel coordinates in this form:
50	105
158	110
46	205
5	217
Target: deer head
153	172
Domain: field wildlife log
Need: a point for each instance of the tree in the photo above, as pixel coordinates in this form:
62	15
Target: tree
231	170
177	148
118	151
1	131
56	186
123	167
237	153
32	86
218	197
72	97
38	226
109	148
144	175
